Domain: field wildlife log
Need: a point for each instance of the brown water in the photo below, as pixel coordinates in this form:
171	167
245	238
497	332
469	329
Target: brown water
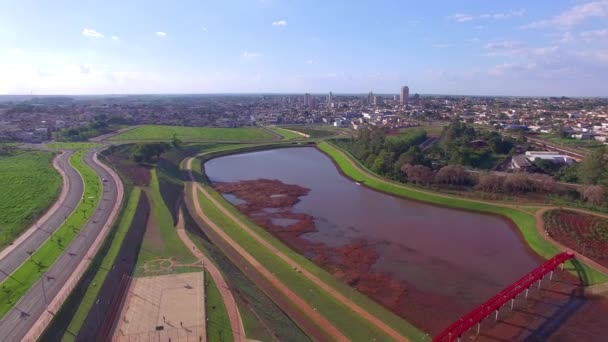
462	255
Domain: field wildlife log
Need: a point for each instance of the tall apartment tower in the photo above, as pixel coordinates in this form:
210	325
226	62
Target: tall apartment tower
329	98
405	94
307	100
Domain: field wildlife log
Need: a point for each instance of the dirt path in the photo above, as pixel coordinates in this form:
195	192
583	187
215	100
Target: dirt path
305	307
65	188
236	324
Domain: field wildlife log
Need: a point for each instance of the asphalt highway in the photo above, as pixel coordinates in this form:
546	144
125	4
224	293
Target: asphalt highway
20	319
13	256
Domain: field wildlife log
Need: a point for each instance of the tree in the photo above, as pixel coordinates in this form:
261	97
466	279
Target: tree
490	182
149	152
454	175
176	142
518	183
594	194
594	168
418	174
546	166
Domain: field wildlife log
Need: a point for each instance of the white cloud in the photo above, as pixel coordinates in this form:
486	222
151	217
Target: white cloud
249	54
573	16
279	23
479	27
505	15
460	17
310	61
590	36
115	38
91	33
442	45
84	69
472	40
204	29
516	49
161	34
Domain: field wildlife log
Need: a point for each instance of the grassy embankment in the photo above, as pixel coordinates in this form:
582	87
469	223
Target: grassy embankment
14	287
286	133
161	241
195	134
216	315
319	131
525	222
350	323
72	145
88	299
29	184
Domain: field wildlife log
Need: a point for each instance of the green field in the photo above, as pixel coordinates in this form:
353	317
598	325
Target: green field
319	131
86	303
524	221
195	134
286	133
570	141
161	242
218	322
28	186
14	287
72	145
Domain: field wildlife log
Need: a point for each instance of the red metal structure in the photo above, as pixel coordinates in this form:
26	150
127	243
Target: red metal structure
461	326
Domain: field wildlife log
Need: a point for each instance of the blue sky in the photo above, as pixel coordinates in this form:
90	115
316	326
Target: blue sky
541	47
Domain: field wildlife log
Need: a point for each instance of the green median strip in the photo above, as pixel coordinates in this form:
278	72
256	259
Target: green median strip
19	282
525	222
90	295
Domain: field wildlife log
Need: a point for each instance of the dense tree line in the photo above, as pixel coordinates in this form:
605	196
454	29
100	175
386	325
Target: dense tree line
386	154
149	152
456	145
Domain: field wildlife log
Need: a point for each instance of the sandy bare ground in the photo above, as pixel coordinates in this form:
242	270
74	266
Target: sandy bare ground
236	324
164	308
321	321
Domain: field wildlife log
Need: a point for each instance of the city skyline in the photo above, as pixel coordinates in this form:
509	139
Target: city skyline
547	48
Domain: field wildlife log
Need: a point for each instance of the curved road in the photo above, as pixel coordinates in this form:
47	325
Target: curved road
14	255
26	313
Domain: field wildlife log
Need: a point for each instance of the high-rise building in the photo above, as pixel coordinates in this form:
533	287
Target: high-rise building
370	97
377	100
313	103
329	99
307	99
405	94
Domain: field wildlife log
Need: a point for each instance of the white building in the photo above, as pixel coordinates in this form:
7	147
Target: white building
554	157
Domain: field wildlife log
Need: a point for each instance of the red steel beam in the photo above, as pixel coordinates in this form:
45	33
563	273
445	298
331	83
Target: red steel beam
466	322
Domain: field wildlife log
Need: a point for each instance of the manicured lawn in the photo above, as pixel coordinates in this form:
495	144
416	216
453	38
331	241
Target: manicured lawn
13	288
318	131
73	145
218	322
350	323
523	220
106	265
28	186
286	133
163	243
195	134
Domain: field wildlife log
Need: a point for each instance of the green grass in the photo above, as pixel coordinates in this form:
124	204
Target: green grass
73	145
319	131
106	264
28	186
170	245
195	134
351	324
286	133
218	322
525	222
14	287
